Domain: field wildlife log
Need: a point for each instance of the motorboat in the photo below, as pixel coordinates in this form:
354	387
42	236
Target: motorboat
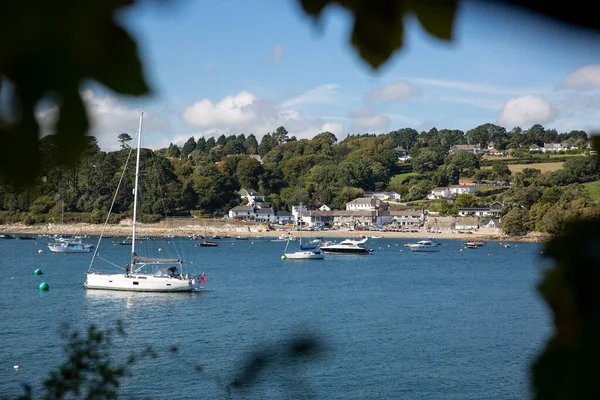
347	246
209	243
70	245
434	241
310	252
424	246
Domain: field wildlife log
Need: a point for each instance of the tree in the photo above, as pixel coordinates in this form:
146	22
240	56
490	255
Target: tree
515	222
427	160
266	144
201	145
124	140
188	147
501	170
251	144
280	135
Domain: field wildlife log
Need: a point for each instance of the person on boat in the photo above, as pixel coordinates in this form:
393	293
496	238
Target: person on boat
202	278
127	270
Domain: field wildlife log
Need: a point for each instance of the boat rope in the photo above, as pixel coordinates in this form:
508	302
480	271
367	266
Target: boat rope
110	209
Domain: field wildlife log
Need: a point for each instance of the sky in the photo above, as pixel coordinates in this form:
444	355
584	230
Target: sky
249	66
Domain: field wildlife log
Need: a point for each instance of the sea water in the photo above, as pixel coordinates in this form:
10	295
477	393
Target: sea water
456	324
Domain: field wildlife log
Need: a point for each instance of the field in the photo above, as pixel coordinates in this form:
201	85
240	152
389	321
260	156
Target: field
544	167
593	188
400	178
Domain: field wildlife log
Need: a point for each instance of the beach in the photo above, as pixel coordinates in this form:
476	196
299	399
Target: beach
186	227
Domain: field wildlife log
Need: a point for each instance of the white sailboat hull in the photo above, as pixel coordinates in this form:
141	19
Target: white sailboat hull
423	249
304	255
141	283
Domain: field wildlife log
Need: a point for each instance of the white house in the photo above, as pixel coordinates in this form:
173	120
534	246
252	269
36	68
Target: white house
462	189
407	218
297	210
493	223
284	217
366	204
554	147
493	210
470	148
439	193
402	154
265	215
466	223
244	212
383	195
535	147
251	196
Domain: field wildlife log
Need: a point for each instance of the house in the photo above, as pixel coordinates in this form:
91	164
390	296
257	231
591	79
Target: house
265	215
366	204
402	154
439	223
243	212
462	189
553	147
407	218
251	196
360	217
494	210
383	195
493	223
470	148
439	193
284	217
297	210
535	147
257	158
493	152
324	207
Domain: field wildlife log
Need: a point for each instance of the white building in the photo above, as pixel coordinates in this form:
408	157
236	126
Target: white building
366	204
243	212
439	193
462	189
383	195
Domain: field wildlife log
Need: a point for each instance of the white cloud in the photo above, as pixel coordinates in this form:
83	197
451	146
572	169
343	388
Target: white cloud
321	94
108	118
587	77
474	87
334	127
525	110
230	111
277	53
367	120
392	91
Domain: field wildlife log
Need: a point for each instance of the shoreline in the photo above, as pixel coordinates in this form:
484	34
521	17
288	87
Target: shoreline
188	228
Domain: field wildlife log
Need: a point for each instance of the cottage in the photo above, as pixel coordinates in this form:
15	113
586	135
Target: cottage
477	212
402	154
243	212
535	147
284	217
407	218
439	193
265	215
462	189
493	223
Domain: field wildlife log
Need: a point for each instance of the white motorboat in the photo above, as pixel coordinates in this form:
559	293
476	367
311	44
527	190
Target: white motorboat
424	246
433	240
305	252
348	246
70	245
146	274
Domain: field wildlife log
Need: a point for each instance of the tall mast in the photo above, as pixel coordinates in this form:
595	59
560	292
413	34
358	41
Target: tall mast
135	190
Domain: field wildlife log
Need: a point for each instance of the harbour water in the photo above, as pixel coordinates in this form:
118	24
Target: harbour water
392	324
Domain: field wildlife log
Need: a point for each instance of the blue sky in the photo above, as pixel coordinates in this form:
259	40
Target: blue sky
249	66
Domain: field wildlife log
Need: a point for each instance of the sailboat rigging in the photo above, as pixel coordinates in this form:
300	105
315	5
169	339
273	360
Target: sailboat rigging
305	252
146	274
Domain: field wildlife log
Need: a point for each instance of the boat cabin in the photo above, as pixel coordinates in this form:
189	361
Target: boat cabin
170	272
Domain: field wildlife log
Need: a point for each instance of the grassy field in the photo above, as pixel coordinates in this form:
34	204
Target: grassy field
400	178
593	188
544	167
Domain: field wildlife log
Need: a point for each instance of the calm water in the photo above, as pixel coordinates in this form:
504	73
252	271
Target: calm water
395	324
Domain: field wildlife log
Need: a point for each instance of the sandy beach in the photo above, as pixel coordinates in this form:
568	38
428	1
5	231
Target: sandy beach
189	227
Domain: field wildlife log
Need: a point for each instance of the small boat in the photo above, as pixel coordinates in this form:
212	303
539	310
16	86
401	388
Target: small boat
424	246
216	237
506	245
241	238
376	237
6	236
209	243
27	237
305	252
470	246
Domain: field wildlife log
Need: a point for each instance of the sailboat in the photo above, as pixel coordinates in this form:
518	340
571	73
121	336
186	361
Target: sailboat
146	274
305	252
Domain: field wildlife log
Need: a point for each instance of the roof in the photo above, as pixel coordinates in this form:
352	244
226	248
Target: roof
460	186
439	188
408	213
283	213
465	146
265	211
473	209
251	192
242	208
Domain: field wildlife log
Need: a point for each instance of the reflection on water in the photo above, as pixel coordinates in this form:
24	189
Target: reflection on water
130	299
